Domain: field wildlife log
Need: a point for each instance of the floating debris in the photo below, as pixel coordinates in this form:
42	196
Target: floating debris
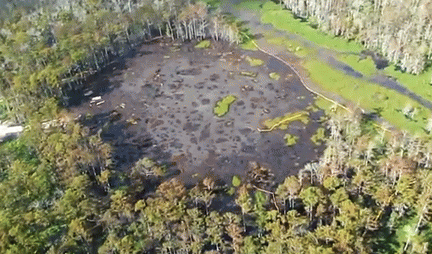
229	123
114	116
133	120
97	98
249	74
247	88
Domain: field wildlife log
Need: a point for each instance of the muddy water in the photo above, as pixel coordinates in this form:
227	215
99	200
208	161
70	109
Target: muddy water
163	101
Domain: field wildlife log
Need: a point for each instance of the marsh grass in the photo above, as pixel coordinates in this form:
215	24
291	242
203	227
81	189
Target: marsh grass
285	20
364	66
292	46
420	84
204	44
253	62
290	140
387	103
319	136
274	75
250	5
222	106
249	45
283	122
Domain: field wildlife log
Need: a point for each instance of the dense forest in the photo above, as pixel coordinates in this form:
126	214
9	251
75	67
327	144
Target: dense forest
60	191
50	51
400	30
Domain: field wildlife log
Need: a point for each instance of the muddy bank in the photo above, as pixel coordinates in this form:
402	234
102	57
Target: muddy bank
160	102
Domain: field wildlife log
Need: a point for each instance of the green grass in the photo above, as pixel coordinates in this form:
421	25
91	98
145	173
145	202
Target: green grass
282	122
250	5
284	20
290	140
325	105
364	66
222	106
212	3
318	137
254	61
388	103
204	44
419	84
292	46
248	45
274	75
236	181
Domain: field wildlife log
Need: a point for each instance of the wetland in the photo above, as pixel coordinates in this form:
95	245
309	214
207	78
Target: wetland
159	103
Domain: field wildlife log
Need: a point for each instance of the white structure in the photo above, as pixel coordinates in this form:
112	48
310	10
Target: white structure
7	131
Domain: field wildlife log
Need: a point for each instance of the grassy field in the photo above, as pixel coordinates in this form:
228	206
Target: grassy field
250	5
284	20
364	66
292	46
420	84
248	45
387	103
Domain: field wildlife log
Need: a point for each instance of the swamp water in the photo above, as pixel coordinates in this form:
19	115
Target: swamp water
160	105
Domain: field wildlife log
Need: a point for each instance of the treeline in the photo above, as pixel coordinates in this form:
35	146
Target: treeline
369	193
400	30
51	50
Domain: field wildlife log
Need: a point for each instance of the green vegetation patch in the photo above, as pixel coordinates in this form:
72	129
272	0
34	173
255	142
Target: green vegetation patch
419	84
212	3
236	181
319	136
365	66
285	20
274	75
290	140
249	45
250	5
292	46
204	44
364	93
283	122
254	61
223	105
